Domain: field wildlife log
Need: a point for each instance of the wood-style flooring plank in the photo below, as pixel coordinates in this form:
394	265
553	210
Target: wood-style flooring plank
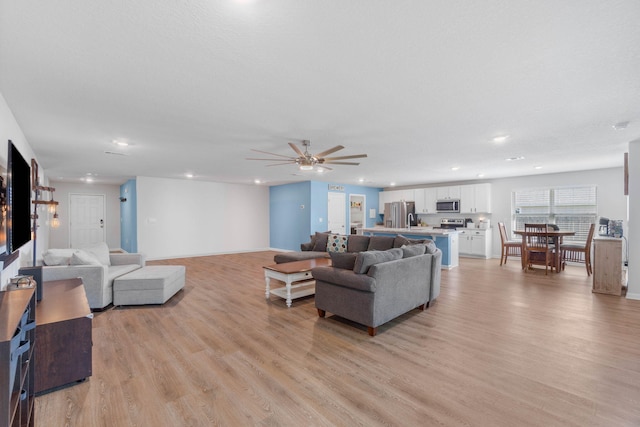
498	348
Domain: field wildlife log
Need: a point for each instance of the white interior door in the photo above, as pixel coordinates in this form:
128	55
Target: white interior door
336	217
86	219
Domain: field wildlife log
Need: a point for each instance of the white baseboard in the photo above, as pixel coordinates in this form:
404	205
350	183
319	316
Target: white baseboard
210	254
633	296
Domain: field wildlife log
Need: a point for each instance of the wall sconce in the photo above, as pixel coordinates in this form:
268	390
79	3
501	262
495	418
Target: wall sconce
55	221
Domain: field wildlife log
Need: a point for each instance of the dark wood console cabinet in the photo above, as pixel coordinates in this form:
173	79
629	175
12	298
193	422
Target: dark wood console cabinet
63	317
17	345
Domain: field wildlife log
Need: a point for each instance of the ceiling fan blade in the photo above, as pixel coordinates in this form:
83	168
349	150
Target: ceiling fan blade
329	151
273	154
324	167
279	164
354	156
342	163
270	160
296	149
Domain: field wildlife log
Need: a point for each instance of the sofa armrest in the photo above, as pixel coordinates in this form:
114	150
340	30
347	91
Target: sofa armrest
344	278
127	259
94	278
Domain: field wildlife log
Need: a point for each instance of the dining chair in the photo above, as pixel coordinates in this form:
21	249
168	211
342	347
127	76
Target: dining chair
579	251
538	248
509	247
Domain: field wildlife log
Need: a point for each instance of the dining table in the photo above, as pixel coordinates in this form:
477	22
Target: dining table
557	235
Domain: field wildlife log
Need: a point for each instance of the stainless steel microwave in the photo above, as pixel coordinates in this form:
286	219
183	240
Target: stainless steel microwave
448	205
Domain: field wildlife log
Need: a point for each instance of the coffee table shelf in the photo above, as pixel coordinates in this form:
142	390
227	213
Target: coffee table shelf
296	277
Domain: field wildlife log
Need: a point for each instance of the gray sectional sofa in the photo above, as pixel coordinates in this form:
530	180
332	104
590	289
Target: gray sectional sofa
373	279
317	247
374	287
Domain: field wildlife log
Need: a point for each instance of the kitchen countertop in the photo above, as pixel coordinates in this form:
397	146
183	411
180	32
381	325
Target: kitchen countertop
420	231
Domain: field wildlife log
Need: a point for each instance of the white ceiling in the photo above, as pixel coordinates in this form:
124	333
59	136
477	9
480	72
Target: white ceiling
420	86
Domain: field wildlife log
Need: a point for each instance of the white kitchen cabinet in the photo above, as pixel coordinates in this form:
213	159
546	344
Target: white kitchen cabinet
407	195
450	192
475	242
425	199
384	197
475	198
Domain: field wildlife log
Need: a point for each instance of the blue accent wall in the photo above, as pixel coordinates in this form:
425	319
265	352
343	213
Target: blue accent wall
128	217
290	225
289	219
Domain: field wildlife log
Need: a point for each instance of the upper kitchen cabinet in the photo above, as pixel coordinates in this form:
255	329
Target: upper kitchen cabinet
475	198
425	199
407	195
451	192
395	196
384	197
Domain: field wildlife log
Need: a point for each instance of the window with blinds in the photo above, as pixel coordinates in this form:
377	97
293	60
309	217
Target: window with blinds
570	208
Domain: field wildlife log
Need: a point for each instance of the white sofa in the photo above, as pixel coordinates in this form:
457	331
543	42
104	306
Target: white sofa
95	266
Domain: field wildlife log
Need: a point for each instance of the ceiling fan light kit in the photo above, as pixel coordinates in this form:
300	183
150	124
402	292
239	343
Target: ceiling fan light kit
307	161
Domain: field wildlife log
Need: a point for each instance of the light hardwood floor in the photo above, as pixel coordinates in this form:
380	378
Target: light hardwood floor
498	348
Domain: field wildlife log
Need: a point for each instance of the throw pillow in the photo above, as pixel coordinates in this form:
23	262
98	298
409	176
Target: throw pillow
337	243
357	243
343	260
57	256
81	257
431	246
320	244
101	252
413	250
380	243
364	260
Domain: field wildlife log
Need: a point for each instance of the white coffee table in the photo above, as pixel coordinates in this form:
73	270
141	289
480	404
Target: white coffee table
298	272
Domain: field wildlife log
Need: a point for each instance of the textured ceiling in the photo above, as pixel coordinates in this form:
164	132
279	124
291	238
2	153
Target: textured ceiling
420	86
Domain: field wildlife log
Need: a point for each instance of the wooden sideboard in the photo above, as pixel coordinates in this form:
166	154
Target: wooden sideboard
64	320
607	266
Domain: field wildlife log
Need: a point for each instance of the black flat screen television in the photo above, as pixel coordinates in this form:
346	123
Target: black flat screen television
18	200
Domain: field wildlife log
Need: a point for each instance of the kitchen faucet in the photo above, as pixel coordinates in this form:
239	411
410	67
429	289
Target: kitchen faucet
409	219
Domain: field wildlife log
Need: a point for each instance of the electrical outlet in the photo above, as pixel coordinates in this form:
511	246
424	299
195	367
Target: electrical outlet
301	206
319	219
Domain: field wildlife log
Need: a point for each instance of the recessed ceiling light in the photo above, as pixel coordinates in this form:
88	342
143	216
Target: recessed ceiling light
320	170
88	179
361	180
257	181
537	167
188	175
500	139
120	142
480	175
392	184
512	159
455	168
621	125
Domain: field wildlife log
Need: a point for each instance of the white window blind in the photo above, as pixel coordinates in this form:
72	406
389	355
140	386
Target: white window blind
570	208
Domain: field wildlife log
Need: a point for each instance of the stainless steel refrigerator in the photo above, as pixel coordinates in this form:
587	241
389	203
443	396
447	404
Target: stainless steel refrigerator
396	214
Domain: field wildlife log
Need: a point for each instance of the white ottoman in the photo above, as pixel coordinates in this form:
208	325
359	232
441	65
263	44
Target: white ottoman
153	284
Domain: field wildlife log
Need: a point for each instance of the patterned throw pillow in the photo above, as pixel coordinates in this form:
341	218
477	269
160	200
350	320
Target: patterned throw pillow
337	243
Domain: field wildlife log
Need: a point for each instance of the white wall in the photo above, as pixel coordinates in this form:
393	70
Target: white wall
60	237
633	285
612	203
10	130
181	218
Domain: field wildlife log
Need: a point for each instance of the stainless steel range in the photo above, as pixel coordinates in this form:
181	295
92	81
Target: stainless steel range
452	223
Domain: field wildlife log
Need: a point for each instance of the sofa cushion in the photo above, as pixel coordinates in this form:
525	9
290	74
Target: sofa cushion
57	256
431	246
380	243
342	260
118	270
320	243
101	252
357	243
337	243
364	260
81	257
413	250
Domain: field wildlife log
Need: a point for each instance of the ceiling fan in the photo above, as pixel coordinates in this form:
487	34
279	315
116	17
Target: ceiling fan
307	161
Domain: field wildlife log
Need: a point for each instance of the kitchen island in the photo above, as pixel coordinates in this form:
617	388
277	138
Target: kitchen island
446	240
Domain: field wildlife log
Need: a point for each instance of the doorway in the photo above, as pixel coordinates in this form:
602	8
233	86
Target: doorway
357	209
86	219
336	213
